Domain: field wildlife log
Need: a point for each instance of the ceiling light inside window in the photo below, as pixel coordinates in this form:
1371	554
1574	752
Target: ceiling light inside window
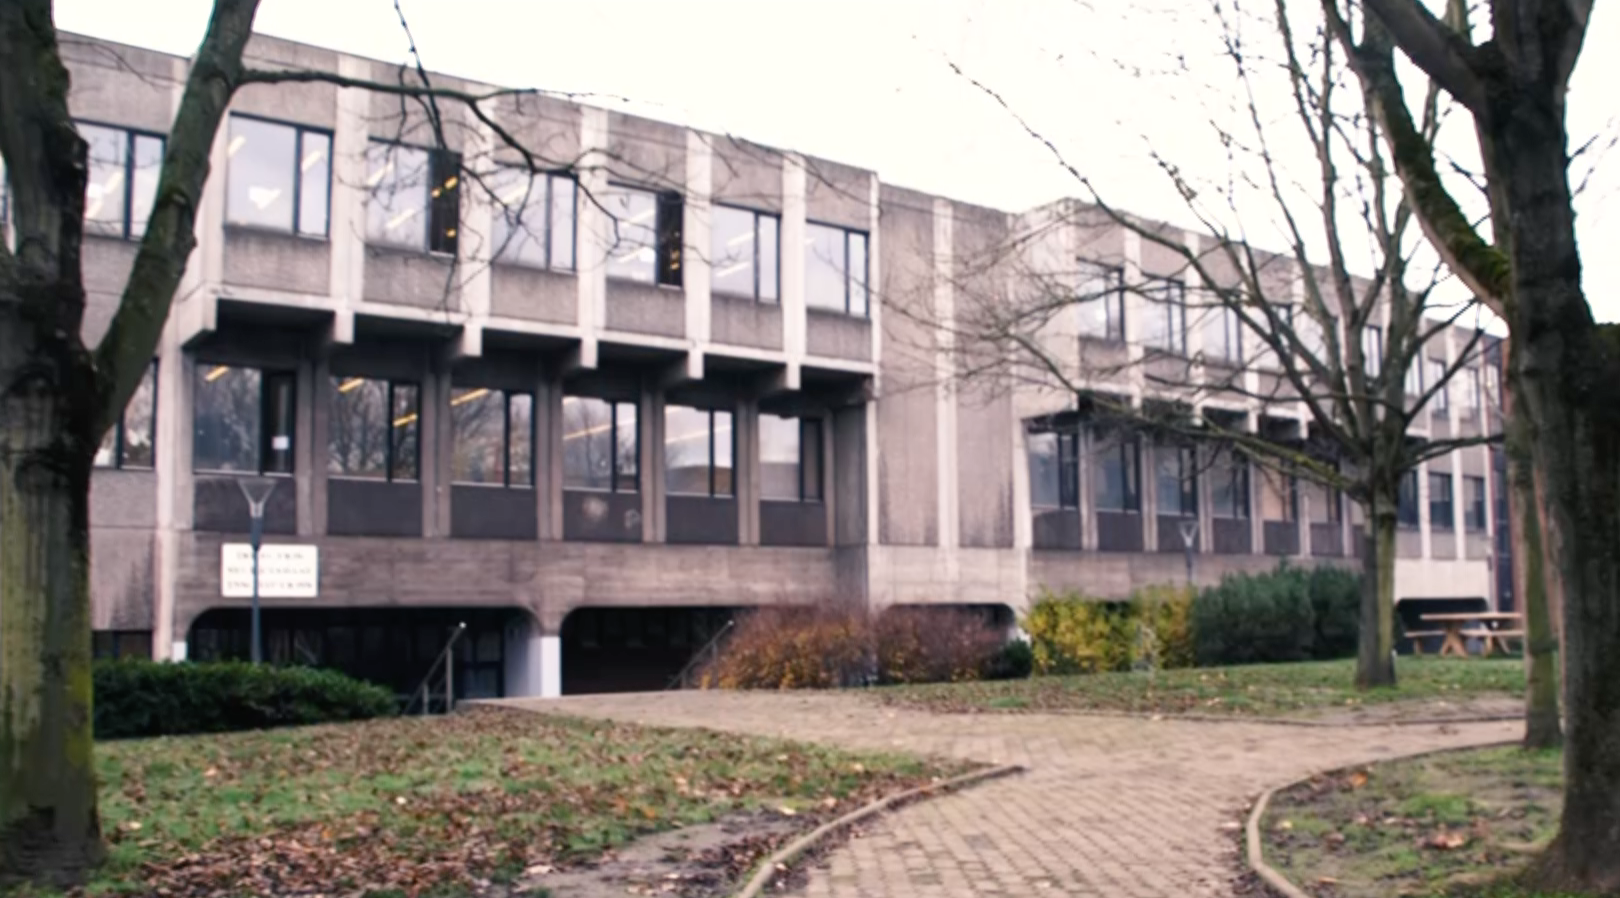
237	143
218	372
262	197
470	396
402	217
351	384
310	158
379	174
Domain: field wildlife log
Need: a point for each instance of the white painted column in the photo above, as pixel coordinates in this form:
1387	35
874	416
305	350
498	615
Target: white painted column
473	249
794	233
1423	509
874	303
550	666
593	231
1135	316
347	208
696	263
949	523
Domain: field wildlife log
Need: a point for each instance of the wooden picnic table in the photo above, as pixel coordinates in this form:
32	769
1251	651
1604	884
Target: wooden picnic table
1452	623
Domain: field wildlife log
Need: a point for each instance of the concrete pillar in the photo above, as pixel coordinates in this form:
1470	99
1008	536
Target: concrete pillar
304	454
320	425
695	266
435	445
550	666
745	471
533	666
1086	444
347	225
548	458
592	230
792	266
1147	454
949	523
175	483
650	412
1135	316
1425	537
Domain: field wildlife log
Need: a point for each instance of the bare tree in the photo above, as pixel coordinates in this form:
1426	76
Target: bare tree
1527	266
1298	334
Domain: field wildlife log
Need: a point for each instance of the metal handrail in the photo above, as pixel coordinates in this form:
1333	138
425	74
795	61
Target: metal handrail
710	649
449	683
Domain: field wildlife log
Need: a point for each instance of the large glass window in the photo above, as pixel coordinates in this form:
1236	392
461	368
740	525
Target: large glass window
1440	506
535	218
790	459
1468	392
1322	502
1223	334
1279	496
1101	294
744	253
493	437
1054	469
835	269
243	420
1406	500
1474	511
1166	310
601	445
1176	480
697	451
1229	487
1119	480
415	197
1436	377
644	235
1414	378
279	176
1372	349
129	444
373	429
122	183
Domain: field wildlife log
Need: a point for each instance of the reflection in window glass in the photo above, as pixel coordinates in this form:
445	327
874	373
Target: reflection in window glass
492	440
1053	470
1176	480
1277	497
1436	377
1166	311
129	444
259	183
1474	511
519	439
1118	476
106	189
790	459
404	426
600	444
314	181
242	420
697	451
144	172
1101	293
1229	488
1440	507
632	233
372	432
743	259
1223	333
835	269
534	221
397	201
857	274
1406	500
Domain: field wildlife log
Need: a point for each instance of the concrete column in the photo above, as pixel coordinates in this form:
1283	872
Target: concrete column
1135	316
1423	509
1086	452
320	424
1023	513
745	470
695	260
949	524
347	233
435	444
175	484
874	272
548	458
550	666
792	271
1148	460
650	411
477	230
592	230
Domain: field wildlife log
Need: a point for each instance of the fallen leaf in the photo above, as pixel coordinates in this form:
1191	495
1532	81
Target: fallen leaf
1445	840
1358	779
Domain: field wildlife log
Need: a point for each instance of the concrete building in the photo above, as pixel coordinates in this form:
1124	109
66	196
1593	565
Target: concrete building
676	388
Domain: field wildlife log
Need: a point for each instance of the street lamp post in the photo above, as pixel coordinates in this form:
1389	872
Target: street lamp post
257	492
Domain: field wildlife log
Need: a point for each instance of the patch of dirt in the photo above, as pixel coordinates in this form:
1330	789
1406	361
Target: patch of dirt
1462	708
690	862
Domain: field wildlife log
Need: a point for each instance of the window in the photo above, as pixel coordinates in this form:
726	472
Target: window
112	644
415	197
243	420
1279	497
492	433
1372	349
1176	480
129	443
1440	515
1436	377
1493	387
790	459
1414	378
1102	301
1229	487
645	228
373	431
745	252
1054	469
279	176
1468	392
601	443
1223	334
697	452
122	183
1118	476
534	221
835	269
1474	511
1406	501
1166	326
1323	504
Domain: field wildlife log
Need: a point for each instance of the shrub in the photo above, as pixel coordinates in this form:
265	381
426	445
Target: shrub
1167	612
830	648
1072	634
1015	661
1336	600
1288	614
149	698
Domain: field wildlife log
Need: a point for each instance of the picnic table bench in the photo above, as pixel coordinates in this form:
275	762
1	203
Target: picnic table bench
1453	626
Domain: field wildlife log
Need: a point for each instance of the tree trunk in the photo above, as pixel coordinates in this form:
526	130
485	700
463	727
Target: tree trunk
1566	368
48	827
1542	728
1375	661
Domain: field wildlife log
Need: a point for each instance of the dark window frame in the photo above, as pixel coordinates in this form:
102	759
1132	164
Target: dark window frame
669	234
1442	387
1168	297
120	429
1475	517
1068	467
1238	469
1442	512
758	282
1130	457
130	135
389	475
506	438
614	472
573	220
269	377
1113	300
849	276
438	241
1186	459
810	435
298	177
713	467
1372	350
1406	501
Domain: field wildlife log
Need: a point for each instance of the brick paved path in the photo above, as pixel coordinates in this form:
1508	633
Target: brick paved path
1110	806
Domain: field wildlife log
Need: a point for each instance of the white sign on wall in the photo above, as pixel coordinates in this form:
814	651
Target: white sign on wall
285	571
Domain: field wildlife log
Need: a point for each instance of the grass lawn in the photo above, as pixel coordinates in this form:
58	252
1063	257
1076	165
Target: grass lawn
1304	688
1449	824
442	805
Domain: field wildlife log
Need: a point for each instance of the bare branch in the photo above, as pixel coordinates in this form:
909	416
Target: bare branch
1444	55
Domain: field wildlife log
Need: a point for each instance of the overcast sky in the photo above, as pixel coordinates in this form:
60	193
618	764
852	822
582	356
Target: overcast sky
869	82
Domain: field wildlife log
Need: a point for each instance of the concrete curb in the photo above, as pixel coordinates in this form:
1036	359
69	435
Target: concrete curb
1254	853
794	850
1217	718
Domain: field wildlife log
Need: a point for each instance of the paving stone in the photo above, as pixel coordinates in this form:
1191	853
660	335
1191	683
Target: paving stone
1110	805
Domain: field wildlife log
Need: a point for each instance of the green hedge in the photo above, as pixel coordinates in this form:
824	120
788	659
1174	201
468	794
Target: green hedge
148	698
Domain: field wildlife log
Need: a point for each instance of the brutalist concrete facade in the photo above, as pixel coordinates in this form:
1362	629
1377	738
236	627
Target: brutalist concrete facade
925	483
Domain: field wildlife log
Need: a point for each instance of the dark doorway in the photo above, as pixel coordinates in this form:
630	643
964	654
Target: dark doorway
634	649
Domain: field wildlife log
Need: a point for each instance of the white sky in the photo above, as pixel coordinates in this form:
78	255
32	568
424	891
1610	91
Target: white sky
867	82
